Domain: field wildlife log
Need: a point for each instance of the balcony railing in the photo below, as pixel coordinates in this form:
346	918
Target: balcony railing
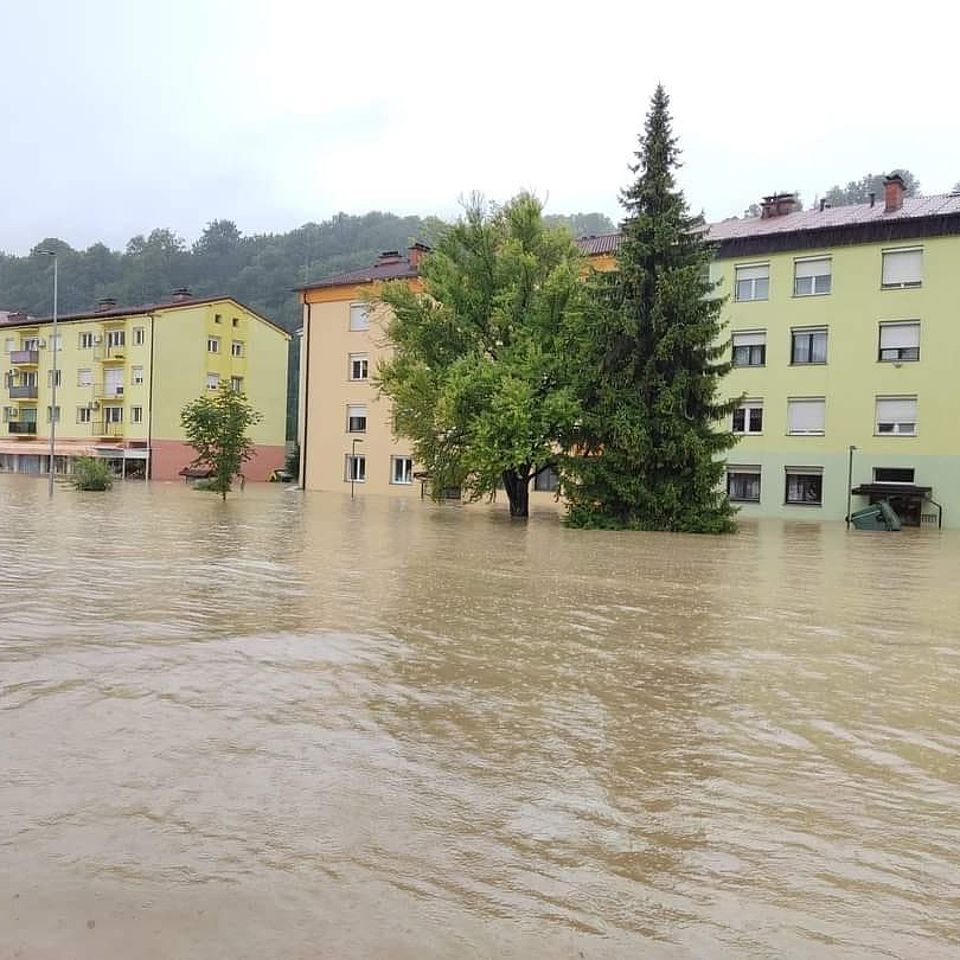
25	356
26	428
22	391
110	353
104	428
103	390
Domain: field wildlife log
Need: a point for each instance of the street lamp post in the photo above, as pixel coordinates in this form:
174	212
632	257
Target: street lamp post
353	465
849	480
54	350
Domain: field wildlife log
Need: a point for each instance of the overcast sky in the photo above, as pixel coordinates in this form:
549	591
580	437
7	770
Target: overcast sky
123	115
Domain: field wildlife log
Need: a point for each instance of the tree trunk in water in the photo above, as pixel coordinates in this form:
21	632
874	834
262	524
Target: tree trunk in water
517	485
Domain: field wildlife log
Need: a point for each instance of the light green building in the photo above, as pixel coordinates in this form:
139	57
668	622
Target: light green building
845	334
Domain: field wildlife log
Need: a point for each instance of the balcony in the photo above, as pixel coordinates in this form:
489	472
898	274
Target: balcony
105	428
25	357
22	428
23	391
104	391
111	353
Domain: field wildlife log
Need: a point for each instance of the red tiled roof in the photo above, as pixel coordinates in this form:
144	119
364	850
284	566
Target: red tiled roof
134	311
593	246
392	268
833	217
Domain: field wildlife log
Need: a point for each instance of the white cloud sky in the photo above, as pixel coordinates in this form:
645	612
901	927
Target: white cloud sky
123	115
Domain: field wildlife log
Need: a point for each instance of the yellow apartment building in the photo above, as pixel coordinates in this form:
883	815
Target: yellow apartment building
842	339
123	376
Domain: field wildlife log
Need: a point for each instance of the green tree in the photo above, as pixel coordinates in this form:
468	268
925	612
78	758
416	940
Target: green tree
479	378
858	191
646	453
216	426
91	473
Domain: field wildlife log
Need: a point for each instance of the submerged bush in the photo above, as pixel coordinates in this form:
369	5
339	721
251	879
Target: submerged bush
91	473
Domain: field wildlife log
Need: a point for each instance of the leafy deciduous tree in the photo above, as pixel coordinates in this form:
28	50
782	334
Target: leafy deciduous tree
216	426
478	377
645	454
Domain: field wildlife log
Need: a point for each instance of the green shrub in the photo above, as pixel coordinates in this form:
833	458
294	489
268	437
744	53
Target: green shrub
91	473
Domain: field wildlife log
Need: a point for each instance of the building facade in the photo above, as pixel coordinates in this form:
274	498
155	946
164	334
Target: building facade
842	343
346	428
124	375
845	350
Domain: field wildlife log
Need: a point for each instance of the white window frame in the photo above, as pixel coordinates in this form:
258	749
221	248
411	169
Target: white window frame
59	377
84	414
821	284
900	427
747	406
213	344
355	464
351	415
821	402
116	338
139	336
236	384
394	462
752	281
9	345
85	341
84	376
136	414
899	284
751	340
358	358
902	351
236	348
56	411
810	332
801	472
752	470
213	381
113	414
359	317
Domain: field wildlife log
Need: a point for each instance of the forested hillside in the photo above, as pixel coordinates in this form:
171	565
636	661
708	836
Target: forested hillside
259	270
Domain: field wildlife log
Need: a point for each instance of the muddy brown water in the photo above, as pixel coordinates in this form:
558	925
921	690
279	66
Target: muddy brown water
299	727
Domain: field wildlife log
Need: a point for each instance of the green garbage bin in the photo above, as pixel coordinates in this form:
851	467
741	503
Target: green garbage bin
878	516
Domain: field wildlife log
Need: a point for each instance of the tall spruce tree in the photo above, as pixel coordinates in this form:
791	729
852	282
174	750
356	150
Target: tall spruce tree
646	453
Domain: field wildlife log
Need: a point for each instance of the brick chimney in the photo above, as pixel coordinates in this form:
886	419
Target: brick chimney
415	253
106	303
778	204
893	191
181	294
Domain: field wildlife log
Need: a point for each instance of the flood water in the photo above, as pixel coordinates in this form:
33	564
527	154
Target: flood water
293	726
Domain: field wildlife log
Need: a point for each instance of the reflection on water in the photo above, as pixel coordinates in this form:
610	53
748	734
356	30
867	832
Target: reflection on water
297	726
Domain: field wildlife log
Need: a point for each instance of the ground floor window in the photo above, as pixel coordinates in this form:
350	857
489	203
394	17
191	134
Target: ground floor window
356	468
743	483
401	470
546	480
805	485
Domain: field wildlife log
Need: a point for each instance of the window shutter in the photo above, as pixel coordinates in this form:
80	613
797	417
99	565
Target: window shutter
359	317
895	335
902	266
753	273
749	339
813	268
806	416
356	410
897	410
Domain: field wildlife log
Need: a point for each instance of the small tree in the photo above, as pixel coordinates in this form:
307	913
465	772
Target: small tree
645	454
216	426
479	376
91	473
